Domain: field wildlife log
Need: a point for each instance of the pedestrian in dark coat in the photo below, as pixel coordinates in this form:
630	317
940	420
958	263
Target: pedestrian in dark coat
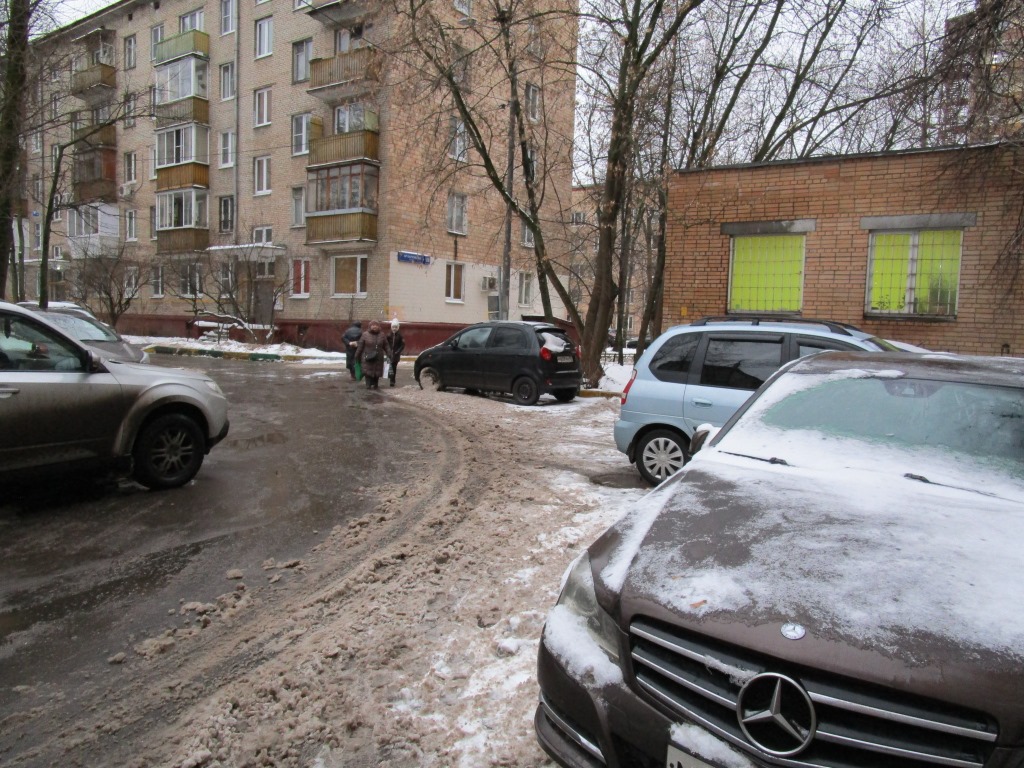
397	347
350	339
372	350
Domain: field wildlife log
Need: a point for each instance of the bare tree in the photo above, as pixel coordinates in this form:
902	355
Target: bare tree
107	276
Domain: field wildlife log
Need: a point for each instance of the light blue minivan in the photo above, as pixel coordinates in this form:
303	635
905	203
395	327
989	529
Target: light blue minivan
703	372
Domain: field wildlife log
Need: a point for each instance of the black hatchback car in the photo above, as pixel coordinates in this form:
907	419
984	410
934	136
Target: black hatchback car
524	359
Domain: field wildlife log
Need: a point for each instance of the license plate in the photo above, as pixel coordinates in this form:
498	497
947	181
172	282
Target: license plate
565	358
676	758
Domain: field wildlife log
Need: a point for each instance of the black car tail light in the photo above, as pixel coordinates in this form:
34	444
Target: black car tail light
625	391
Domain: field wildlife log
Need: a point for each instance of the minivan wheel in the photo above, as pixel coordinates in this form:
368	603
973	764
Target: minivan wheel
168	452
524	391
431	379
659	454
565	395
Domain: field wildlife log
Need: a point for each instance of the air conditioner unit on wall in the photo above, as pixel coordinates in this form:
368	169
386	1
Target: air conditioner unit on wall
488	284
128	189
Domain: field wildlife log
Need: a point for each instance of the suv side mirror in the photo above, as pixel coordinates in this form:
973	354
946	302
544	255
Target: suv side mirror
701	436
94	363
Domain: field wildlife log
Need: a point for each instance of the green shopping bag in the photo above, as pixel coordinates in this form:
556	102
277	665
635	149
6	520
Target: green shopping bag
359	371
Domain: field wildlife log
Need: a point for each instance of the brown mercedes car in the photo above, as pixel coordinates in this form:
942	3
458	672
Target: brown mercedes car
834	581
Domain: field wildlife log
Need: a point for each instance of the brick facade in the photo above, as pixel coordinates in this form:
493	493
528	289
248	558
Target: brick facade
842	200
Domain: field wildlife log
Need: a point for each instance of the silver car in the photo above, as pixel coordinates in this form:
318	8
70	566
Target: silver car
65	407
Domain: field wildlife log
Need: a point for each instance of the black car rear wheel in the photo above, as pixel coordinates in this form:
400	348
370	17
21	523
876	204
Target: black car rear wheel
565	395
524	391
431	379
168	452
659	454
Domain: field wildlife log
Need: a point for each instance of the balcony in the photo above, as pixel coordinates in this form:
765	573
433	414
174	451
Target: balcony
344	147
190	110
345	75
339	13
340	227
91	136
92	246
182	176
95	83
94	176
190	43
95	190
182	240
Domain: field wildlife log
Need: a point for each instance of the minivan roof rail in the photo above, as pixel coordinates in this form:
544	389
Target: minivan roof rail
833	325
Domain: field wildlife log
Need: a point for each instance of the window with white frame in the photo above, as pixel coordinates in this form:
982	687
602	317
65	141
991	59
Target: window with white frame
227	16
527	235
226	283
130	109
37	187
261	107
83	222
37	142
37	236
300	133
180	79
298	206
152	162
129	167
301	5
302	53
349	276
261	175
348	39
914	272
530	163
190	280
57	253
59	204
263	234
152	222
457	214
226	149
534	42
54	150
458	142
264	36
578	218
131	280
184	144
227	81
156	34
300	278
181	208
226	216
156	280
454	278
525	289
130	53
349	117
532	102
130	232
265	268
191	20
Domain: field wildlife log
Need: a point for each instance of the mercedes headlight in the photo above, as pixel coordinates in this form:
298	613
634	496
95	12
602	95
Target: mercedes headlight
579	597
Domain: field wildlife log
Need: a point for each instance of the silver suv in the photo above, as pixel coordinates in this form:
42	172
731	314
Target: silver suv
703	372
66	407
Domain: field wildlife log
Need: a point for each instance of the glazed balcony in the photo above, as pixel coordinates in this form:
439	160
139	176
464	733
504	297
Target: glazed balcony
184	240
340	227
190	110
96	190
182	176
345	75
94	176
190	43
95	83
90	136
339	13
345	147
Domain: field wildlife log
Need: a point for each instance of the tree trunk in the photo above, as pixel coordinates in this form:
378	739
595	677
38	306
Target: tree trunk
15	77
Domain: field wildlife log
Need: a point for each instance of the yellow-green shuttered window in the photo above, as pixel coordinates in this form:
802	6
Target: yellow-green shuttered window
767	273
914	273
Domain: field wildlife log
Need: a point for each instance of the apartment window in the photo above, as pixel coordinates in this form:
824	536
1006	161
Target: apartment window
348	39
264	36
181	208
54	106
131	280
156	34
302	52
129	52
464	8
350	275
300	133
525	289
130	108
130	232
190	280
58	206
57	253
263	235
453	281
37	188
157	281
344	187
457	220
152	222
350	117
37	236
534	42
227	16
261	175
191	20
37	142
578	218
227	81
914	273
83	222
180	79
527	238
129	167
530	163
265	268
152	162
187	144
458	142
226	206
298	206
532	105
766	273
261	107
227	149
300	278
226	283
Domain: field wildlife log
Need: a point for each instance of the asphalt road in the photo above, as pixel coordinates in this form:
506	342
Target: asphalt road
86	572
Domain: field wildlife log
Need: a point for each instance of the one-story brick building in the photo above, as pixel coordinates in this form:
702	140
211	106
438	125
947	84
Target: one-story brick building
912	245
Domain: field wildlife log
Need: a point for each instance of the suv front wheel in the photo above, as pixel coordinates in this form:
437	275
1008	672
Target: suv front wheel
168	452
659	454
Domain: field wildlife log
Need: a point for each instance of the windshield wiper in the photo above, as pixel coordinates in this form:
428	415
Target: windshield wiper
772	460
923	479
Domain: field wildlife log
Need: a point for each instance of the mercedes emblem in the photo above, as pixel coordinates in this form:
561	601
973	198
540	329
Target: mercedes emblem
776	715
